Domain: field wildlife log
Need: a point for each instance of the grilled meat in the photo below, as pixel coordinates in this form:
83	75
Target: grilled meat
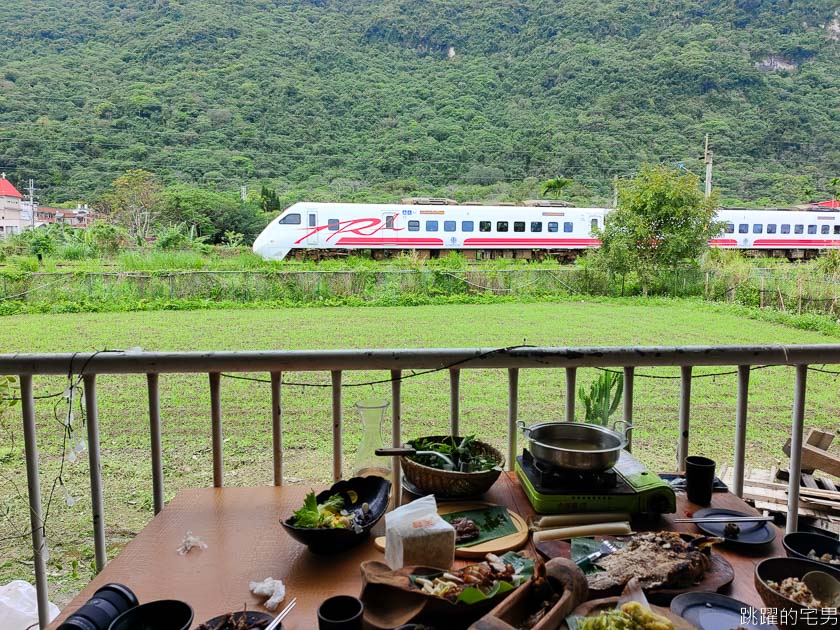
658	559
465	530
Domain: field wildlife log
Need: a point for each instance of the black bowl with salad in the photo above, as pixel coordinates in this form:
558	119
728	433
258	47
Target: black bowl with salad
338	519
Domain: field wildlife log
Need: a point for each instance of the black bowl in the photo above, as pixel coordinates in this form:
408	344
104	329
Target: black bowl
798	544
777	569
251	617
163	614
373	490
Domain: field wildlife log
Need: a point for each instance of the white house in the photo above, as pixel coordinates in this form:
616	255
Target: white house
10	200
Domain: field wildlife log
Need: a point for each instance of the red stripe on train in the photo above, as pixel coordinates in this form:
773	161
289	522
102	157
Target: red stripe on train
723	242
816	242
350	240
532	241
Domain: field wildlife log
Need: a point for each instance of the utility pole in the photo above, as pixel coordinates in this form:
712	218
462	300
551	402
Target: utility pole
615	191
707	158
32	201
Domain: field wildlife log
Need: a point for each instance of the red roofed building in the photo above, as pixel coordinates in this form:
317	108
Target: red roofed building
9	207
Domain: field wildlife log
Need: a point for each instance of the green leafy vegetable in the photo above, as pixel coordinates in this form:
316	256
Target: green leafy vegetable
325	515
465	451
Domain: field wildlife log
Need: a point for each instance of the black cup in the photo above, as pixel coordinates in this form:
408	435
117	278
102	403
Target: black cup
699	479
341	612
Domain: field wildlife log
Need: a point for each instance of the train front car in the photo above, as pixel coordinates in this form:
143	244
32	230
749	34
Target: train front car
780	233
279	236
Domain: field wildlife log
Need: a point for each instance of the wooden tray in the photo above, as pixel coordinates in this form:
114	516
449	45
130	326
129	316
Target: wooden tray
718	576
497	546
594	608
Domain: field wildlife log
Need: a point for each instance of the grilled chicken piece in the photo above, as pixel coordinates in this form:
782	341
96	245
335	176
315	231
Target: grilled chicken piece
658	559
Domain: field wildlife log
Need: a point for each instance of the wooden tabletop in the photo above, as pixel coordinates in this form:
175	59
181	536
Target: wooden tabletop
245	542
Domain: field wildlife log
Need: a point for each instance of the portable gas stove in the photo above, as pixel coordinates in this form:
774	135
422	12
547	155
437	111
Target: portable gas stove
626	487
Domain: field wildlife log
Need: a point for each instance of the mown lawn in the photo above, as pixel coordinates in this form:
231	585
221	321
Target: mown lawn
307	421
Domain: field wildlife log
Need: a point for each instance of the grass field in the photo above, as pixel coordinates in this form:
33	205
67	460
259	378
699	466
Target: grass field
307	421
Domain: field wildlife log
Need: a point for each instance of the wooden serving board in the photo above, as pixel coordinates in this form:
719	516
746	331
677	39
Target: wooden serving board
718	576
496	546
595	607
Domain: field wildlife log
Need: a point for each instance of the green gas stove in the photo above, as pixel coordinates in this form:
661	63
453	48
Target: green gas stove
626	487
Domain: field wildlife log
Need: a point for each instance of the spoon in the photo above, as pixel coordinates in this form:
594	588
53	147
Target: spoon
825	588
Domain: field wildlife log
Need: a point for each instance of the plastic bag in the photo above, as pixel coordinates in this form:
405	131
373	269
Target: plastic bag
415	534
19	606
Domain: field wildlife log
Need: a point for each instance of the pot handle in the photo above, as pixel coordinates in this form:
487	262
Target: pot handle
526	431
395	451
627	427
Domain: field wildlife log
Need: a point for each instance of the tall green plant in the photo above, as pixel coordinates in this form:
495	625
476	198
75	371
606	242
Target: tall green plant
602	399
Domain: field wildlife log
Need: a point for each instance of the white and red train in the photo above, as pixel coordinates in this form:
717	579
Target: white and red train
521	231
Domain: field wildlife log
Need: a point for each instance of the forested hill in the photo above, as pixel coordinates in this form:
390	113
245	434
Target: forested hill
435	92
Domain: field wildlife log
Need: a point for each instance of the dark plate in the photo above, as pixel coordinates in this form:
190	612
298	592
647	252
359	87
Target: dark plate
251	617
712	611
798	544
751	533
373	490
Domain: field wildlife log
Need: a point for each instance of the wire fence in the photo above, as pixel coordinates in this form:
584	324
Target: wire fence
778	289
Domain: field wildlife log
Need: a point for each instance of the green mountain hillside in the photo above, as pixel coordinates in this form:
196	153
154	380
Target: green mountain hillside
422	94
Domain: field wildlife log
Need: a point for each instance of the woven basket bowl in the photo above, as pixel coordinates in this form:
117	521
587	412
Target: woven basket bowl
451	484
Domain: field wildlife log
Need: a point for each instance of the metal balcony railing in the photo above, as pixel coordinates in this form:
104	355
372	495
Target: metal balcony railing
394	362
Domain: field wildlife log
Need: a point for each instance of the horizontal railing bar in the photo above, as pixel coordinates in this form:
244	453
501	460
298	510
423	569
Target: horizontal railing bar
120	362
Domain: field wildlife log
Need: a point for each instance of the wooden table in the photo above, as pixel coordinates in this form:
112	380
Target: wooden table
246	542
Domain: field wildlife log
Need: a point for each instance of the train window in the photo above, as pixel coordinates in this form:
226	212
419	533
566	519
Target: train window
771	228
799	229
812	229
730	228
501	226
389	222
837	229
536	226
553	226
567	226
467	226
519	226
824	229
290	219
485	226
757	227
431	226
450	226
785	228
332	224
414	226
594	224
743	228
313	219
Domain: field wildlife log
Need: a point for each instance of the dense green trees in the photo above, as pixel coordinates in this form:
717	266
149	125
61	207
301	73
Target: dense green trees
299	95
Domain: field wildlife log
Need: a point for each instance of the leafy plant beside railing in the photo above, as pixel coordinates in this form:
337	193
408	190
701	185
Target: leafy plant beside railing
602	399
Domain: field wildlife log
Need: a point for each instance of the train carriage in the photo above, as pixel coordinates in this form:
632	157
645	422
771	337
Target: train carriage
516	231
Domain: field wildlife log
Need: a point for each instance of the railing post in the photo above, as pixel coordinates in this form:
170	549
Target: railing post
216	420
97	504
154	432
396	433
796	430
627	414
454	401
277	427
336	414
741	429
513	414
571	377
685	414
36	521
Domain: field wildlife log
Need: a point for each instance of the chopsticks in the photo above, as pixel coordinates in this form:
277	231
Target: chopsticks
725	519
281	615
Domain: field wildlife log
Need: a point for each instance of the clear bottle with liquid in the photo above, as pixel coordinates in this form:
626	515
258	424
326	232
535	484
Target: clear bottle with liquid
367	462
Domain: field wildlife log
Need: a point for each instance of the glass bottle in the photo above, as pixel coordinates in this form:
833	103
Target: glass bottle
367	462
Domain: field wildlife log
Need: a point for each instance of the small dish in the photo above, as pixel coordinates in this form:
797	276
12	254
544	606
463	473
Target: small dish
251	617
712	611
373	490
751	534
799	544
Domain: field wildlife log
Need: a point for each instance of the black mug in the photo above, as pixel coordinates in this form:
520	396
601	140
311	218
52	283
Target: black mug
699	479
342	612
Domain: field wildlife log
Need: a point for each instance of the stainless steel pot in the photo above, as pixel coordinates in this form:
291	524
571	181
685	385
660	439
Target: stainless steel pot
575	445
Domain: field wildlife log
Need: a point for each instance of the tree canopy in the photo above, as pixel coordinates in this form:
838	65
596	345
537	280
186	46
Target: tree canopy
662	221
310	95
